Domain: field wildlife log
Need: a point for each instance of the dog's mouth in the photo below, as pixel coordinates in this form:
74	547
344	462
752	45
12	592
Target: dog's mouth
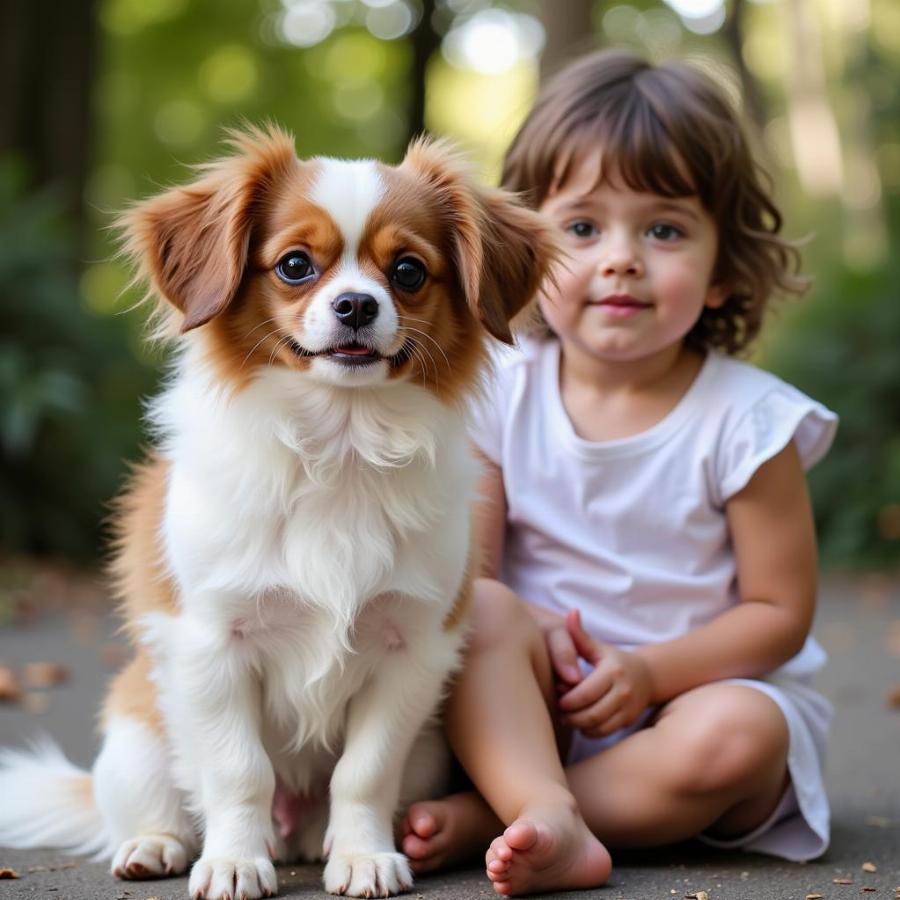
353	354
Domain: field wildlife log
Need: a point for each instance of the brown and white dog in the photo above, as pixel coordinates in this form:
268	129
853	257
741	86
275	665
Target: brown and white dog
294	559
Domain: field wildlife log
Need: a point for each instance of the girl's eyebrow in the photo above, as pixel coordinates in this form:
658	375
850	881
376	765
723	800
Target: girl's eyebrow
654	205
577	205
674	206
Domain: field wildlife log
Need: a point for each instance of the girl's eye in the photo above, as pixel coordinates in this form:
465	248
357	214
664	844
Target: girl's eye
294	267
582	229
408	274
662	231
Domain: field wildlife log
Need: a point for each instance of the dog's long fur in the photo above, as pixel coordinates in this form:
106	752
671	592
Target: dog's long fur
294	558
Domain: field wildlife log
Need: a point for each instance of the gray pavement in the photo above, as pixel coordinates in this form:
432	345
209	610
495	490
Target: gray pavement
858	622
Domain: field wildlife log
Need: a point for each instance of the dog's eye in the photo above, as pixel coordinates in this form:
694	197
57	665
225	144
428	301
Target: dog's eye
294	267
408	274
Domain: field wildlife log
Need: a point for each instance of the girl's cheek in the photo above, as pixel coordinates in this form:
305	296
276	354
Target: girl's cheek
684	285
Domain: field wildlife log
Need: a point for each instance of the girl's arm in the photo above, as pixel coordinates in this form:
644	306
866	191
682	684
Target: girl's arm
490	525
490	517
773	535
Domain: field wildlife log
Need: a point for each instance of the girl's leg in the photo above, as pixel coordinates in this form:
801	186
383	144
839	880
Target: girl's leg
715	760
501	731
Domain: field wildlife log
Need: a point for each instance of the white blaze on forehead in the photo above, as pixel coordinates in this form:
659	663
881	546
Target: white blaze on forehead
348	191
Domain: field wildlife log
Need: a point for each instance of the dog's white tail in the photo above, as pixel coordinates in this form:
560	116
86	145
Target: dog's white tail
46	801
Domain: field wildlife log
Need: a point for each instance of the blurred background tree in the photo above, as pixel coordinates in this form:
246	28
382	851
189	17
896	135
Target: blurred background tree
103	101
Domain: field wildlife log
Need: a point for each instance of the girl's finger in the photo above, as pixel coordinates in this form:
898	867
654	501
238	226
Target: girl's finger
563	656
611	725
594	720
585	645
587	692
607	727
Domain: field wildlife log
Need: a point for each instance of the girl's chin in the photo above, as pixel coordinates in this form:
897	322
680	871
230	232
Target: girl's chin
618	348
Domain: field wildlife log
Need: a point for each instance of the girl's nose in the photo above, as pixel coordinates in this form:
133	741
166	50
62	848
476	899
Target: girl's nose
620	258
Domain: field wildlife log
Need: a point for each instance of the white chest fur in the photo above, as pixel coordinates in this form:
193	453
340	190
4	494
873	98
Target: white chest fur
335	494
315	526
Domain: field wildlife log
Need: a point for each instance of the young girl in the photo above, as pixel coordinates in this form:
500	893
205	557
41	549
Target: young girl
650	553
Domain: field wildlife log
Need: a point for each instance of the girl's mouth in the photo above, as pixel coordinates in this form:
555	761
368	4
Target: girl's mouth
621	305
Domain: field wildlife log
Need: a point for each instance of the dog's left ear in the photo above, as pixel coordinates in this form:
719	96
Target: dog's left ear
502	249
192	242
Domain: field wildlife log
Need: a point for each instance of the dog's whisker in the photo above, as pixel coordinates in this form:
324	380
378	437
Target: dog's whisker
282	342
427	353
260	325
252	350
427	336
420	353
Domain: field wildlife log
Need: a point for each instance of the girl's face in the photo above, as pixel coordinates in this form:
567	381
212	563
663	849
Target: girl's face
639	268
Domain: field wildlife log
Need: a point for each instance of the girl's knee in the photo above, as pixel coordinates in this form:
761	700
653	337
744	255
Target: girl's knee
498	618
733	747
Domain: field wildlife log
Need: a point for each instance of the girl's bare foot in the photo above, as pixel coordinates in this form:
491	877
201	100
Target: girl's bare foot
547	849
440	833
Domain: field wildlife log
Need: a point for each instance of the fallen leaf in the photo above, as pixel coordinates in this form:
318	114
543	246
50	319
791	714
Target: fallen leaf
893	697
842	881
6	872
869	867
698	895
813	897
45	674
10	689
869	890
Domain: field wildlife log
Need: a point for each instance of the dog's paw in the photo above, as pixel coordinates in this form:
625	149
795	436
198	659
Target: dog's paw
232	879
367	874
150	856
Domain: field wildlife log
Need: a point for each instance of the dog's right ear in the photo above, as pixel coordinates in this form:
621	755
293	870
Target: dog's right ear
502	250
192	242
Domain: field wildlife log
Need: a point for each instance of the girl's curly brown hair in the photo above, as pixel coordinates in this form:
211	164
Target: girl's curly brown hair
668	130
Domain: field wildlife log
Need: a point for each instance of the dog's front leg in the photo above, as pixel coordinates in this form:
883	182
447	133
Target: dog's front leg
217	741
382	723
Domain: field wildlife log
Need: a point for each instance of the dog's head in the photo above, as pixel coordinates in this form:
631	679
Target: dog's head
355	273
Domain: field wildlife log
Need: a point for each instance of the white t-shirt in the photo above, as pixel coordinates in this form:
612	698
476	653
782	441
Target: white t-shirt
633	532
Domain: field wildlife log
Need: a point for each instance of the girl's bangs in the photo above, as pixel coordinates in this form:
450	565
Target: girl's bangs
633	146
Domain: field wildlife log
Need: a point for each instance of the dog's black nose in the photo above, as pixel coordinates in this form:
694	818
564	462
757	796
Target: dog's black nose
355	310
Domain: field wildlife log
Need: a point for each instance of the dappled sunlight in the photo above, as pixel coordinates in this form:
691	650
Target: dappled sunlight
816	80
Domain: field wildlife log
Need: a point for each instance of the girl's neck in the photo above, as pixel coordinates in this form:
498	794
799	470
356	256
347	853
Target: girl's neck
608	400
584	371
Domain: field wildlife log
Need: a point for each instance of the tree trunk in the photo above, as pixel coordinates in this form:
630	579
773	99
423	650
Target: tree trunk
569	29
733	33
47	63
425	41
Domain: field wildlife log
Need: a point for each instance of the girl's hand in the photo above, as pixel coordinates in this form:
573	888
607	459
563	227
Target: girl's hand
560	646
563	655
614	694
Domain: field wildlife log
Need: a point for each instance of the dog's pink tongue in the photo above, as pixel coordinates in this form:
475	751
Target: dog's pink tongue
354	350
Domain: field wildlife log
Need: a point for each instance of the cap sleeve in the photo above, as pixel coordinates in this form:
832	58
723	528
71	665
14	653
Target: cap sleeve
485	407
779	416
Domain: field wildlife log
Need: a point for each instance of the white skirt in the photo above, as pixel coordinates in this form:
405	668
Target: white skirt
799	828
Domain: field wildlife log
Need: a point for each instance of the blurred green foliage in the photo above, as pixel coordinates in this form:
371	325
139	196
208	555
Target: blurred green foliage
844	350
174	73
67	384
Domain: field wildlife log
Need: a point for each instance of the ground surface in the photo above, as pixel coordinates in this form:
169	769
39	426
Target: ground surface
57	619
